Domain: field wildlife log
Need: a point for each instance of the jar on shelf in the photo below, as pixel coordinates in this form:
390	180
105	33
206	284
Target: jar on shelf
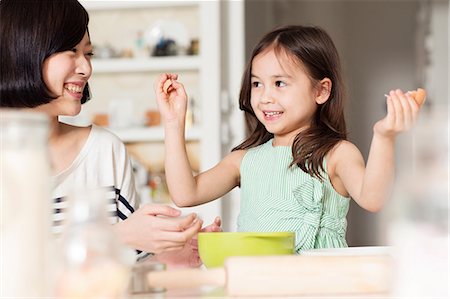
418	229
159	190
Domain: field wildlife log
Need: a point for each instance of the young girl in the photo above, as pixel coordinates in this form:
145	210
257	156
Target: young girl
296	170
45	54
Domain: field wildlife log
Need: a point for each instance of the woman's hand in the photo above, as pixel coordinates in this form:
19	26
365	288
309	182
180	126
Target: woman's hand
172	100
158	228
402	112
188	256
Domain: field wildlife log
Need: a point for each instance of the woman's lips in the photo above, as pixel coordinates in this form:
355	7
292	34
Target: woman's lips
74	89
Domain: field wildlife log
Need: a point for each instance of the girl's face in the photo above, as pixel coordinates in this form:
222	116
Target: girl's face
282	96
66	74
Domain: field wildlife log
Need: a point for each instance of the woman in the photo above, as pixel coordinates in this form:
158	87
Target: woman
45	54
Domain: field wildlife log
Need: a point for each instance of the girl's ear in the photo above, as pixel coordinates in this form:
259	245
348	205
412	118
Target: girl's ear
323	90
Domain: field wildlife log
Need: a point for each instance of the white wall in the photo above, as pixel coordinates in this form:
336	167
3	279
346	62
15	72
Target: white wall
232	121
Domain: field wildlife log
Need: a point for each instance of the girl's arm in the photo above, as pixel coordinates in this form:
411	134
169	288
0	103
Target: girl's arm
184	188
370	186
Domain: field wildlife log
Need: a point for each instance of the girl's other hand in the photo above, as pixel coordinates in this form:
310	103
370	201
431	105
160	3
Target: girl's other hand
188	256
402	112
172	101
214	227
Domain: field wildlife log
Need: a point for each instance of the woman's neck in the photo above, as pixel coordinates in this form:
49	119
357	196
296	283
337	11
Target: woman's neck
58	130
55	128
65	144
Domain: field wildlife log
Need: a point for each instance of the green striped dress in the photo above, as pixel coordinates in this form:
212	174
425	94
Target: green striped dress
276	197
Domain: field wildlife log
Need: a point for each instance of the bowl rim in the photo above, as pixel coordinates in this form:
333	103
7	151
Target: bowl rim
248	234
349	251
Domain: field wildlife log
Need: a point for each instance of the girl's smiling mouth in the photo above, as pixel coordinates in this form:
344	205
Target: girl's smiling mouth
272	115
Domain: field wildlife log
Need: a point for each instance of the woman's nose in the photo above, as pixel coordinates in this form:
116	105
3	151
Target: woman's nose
84	67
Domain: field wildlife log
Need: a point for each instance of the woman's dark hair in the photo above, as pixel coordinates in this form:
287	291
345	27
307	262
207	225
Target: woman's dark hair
313	49
31	31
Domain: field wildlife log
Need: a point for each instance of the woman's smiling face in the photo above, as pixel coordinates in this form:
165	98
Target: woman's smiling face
66	74
282	95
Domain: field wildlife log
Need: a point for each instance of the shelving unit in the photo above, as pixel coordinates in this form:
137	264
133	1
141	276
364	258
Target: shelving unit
152	134
119	76
158	64
92	5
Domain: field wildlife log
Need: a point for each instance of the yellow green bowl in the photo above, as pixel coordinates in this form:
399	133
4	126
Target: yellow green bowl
215	247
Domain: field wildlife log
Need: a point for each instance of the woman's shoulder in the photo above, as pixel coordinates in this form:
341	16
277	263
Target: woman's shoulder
105	138
97	139
105	134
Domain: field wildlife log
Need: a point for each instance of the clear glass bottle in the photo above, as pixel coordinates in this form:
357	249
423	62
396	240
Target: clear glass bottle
93	260
25	204
419	228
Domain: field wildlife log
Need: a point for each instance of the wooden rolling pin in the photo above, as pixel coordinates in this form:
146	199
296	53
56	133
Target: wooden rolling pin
289	275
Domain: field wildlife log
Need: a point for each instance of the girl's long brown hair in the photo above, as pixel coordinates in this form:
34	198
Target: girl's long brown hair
313	49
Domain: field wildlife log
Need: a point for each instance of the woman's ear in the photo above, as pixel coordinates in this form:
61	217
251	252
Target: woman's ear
323	90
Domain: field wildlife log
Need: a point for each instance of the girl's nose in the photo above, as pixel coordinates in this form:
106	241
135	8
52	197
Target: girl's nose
266	97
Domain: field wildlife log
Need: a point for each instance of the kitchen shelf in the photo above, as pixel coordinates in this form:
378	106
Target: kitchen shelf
151	134
114	5
156	64
114	79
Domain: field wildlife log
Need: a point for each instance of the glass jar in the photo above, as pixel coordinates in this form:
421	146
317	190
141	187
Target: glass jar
25	203
419	228
93	262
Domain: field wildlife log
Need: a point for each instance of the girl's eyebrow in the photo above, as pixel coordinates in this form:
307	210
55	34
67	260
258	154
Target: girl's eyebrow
282	76
274	76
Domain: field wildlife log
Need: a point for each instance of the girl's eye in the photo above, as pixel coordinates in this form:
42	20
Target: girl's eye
256	84
90	54
280	84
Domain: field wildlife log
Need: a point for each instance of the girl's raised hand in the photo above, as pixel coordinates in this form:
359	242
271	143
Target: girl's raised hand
402	112
171	98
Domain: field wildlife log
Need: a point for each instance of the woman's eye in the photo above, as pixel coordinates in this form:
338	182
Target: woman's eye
280	84
256	84
90	54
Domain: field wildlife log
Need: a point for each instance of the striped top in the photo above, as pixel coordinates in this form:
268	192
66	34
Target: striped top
102	162
117	208
276	197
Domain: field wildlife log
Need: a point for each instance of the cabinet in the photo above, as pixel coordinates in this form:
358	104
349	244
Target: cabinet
128	82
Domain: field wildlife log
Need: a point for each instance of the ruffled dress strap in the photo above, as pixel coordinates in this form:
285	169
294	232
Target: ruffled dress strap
309	197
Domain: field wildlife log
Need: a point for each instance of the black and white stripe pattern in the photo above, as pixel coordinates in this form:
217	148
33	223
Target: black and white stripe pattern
118	209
